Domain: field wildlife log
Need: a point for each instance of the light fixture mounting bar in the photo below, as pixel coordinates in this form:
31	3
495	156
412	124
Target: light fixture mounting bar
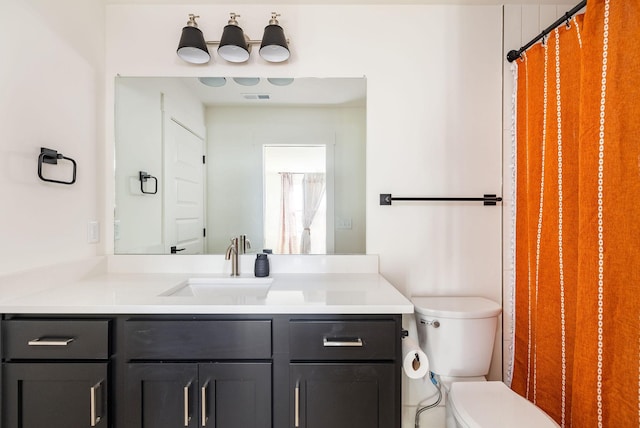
250	42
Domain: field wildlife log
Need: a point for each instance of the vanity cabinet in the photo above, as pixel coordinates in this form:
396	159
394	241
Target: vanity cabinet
198	373
344	373
55	373
201	370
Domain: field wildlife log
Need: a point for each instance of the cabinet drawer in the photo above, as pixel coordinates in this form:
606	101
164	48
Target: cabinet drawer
56	339
343	340
194	340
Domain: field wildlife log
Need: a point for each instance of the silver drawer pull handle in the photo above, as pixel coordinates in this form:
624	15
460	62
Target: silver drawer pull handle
95	419
357	342
187	417
296	406
50	341
203	404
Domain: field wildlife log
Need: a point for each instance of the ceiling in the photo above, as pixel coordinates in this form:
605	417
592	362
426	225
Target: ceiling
307	91
346	2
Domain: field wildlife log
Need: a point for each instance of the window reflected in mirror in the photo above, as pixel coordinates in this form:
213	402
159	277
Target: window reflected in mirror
295	210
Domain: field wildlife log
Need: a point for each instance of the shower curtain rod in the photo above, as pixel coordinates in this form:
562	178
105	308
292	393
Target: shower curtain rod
515	54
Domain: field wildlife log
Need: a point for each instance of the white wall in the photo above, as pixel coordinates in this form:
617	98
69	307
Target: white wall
51	95
433	117
434	124
239	133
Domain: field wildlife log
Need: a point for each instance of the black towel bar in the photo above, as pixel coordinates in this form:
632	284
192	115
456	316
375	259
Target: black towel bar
487	199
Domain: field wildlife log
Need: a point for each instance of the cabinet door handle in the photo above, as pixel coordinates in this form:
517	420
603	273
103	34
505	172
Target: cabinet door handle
187	417
342	342
95	418
296	406
203	398
50	341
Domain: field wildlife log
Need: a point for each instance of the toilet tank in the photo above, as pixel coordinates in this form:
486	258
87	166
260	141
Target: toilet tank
457	333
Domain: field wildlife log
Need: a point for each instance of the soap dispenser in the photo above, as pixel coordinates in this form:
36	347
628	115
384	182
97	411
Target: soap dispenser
261	268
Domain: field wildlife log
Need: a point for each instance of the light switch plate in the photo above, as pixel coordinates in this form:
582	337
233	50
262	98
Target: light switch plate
343	223
93	232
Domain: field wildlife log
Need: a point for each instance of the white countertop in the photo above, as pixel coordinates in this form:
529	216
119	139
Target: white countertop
142	293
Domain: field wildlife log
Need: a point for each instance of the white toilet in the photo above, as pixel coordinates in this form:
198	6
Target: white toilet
458	334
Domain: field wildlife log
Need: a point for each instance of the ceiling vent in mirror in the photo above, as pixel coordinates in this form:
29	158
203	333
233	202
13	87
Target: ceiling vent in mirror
256	96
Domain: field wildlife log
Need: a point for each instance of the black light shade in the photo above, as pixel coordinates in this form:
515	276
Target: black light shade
274	47
192	47
233	44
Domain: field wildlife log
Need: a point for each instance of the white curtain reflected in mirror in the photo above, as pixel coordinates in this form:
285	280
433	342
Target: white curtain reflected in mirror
313	194
288	230
296	197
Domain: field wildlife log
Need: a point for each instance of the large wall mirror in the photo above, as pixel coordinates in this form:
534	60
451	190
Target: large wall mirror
199	161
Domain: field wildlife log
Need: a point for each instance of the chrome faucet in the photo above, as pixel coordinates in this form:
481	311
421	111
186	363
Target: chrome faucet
232	254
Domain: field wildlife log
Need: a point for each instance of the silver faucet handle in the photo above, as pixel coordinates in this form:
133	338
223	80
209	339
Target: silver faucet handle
243	244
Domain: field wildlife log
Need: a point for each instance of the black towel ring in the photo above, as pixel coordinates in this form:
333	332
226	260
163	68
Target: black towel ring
51	157
144	176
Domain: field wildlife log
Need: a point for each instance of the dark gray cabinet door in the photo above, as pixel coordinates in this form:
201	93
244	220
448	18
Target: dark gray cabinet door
344	395
55	395
220	395
162	395
235	395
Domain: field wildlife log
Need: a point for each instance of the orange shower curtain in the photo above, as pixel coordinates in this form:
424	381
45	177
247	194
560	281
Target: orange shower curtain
577	335
546	226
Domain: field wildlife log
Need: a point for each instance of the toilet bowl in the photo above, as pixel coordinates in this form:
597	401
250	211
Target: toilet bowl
458	334
492	404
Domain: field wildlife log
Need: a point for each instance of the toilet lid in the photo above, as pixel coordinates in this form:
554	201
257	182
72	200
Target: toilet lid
456	307
494	405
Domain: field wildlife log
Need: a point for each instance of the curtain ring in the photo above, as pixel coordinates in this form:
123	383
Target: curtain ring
568	18
544	40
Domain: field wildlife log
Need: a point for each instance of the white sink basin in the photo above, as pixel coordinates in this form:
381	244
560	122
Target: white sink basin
220	286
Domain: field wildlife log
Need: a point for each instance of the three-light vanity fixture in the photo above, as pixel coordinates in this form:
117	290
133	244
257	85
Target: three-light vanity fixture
234	45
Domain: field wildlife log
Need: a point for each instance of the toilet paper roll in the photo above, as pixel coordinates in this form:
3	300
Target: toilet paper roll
414	361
